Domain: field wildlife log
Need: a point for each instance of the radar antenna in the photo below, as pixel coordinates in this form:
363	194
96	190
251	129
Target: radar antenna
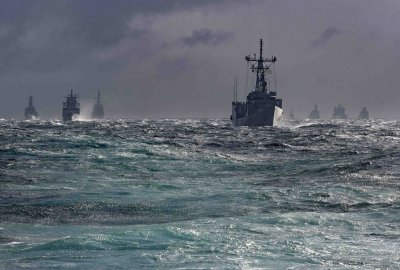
260	66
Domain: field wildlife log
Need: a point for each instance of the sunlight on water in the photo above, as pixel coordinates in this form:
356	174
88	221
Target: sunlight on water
185	193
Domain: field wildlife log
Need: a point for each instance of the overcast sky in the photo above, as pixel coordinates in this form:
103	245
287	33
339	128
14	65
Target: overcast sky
167	58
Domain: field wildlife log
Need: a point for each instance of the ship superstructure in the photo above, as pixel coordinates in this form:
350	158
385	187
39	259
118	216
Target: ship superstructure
339	112
71	106
314	114
262	107
364	114
30	111
98	109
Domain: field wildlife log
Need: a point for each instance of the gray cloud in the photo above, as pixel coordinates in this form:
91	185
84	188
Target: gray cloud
48	35
159	58
325	36
206	37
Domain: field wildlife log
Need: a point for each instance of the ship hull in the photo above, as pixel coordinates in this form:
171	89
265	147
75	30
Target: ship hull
30	113
97	115
98	112
364	115
340	117
31	117
68	114
252	114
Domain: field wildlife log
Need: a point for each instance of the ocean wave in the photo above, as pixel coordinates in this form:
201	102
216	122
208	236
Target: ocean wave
199	191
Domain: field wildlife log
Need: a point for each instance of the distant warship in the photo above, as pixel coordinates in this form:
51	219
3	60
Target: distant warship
70	107
291	115
339	112
364	114
262	107
314	114
30	111
98	109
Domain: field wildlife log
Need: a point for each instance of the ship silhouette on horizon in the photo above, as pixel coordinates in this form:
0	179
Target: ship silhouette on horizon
314	114
30	111
262	107
364	114
291	115
71	106
98	108
339	112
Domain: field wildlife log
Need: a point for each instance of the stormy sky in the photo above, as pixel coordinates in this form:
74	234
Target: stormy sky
179	58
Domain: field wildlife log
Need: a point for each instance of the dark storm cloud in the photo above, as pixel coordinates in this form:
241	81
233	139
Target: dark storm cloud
159	58
206	37
52	35
325	36
49	35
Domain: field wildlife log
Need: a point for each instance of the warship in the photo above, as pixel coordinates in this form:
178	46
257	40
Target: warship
314	114
70	107
262	107
339	112
364	114
98	109
30	111
291	115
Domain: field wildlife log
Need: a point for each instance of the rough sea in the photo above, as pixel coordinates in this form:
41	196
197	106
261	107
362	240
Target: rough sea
199	194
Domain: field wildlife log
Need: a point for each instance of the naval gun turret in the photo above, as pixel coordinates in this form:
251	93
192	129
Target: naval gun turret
339	112
314	114
30	111
71	106
262	107
364	114
98	109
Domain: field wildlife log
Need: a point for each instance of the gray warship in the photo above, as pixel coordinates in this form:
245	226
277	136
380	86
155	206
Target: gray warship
364	114
262	107
314	114
291	115
98	109
70	107
30	111
339	112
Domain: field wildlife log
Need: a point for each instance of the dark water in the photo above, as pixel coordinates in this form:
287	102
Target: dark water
192	194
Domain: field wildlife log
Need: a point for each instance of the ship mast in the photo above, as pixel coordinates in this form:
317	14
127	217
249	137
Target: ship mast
30	101
98	97
257	64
